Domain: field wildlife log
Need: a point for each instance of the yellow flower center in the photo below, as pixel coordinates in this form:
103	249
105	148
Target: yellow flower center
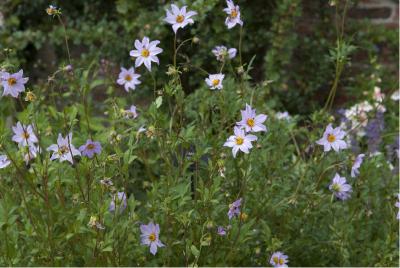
276	260
90	146
62	150
25	135
11	81
128	77
179	18
336	187
215	82
145	52
233	13
281	261
239	140
331	138
152	237
250	122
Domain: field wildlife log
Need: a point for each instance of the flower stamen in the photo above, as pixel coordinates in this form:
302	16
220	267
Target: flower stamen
145	53
180	18
11	81
239	140
331	138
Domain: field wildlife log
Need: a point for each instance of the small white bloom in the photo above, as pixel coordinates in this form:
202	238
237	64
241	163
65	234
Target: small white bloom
251	121
396	95
4	161
146	52
220	52
64	149
179	18
214	81
13	84
24	135
283	115
378	95
333	138
128	78
240	141
131	113
233	15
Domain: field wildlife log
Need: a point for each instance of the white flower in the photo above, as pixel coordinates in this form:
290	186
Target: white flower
251	121
221	52
146	52
24	135
240	141
378	96
333	138
396	95
283	115
13	84
131	113
179	18
214	81
279	259
233	15
128	78
356	165
4	161
63	150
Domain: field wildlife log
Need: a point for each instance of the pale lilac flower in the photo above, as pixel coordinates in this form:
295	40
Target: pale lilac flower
13	84
397	204
279	259
31	152
240	141
4	161
233	15
146	52
357	165
131	113
234	208
150	236
396	95
128	78
340	188
178	17
90	148
221	231
251	121
24	135
283	115
214	81
221	52
333	138
118	202
64	149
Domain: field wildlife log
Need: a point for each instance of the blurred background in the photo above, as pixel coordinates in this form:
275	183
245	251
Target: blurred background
290	39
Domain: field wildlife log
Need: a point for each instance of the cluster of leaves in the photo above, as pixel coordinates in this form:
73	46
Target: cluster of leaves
177	173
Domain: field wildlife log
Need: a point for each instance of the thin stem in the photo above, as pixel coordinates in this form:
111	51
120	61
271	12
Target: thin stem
65	37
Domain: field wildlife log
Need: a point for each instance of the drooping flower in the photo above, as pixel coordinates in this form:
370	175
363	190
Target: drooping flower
283	115
13	84
333	138
179	17
240	141
251	121
234	208
24	135
357	165
214	81
131	113
279	259
90	148
128	78
150	236
146	52
221	231
4	161
64	149
340	188
233	14
31	152
221	52
118	202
